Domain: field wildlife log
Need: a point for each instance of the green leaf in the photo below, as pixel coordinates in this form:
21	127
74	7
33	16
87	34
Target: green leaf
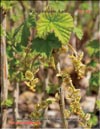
98	104
78	31
8	102
92	63
94	44
6	5
51	89
59	23
9	51
84	6
97	54
46	45
93	48
25	34
93	120
30	22
57	5
18	48
17	30
95	79
23	31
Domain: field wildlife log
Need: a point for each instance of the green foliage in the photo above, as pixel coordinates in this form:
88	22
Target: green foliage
59	23
25	34
50	100
37	114
95	81
84	6
15	18
23	31
51	89
94	52
78	31
14	64
6	5
8	102
92	63
46	45
98	104
16	49
57	5
2	31
93	120
93	48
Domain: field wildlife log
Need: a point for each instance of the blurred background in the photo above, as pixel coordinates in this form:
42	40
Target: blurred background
17	100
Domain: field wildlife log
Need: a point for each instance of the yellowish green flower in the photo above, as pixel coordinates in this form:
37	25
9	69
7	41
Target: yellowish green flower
29	75
34	81
87	116
79	66
31	83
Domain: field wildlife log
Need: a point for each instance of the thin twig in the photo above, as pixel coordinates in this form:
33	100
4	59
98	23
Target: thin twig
45	96
15	106
34	59
23	8
62	103
72	49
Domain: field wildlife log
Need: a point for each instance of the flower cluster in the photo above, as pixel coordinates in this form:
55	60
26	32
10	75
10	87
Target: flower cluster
38	108
31	81
73	97
79	66
75	107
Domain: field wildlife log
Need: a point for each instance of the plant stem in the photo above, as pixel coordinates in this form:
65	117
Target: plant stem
45	96
62	108
72	49
34	59
3	69
15	106
62	103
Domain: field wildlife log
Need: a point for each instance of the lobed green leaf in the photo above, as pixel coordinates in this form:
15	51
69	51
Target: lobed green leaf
59	23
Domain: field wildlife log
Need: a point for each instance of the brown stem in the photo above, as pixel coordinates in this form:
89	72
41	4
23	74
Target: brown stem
34	59
72	49
62	108
45	96
15	106
3	70
62	103
23	8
